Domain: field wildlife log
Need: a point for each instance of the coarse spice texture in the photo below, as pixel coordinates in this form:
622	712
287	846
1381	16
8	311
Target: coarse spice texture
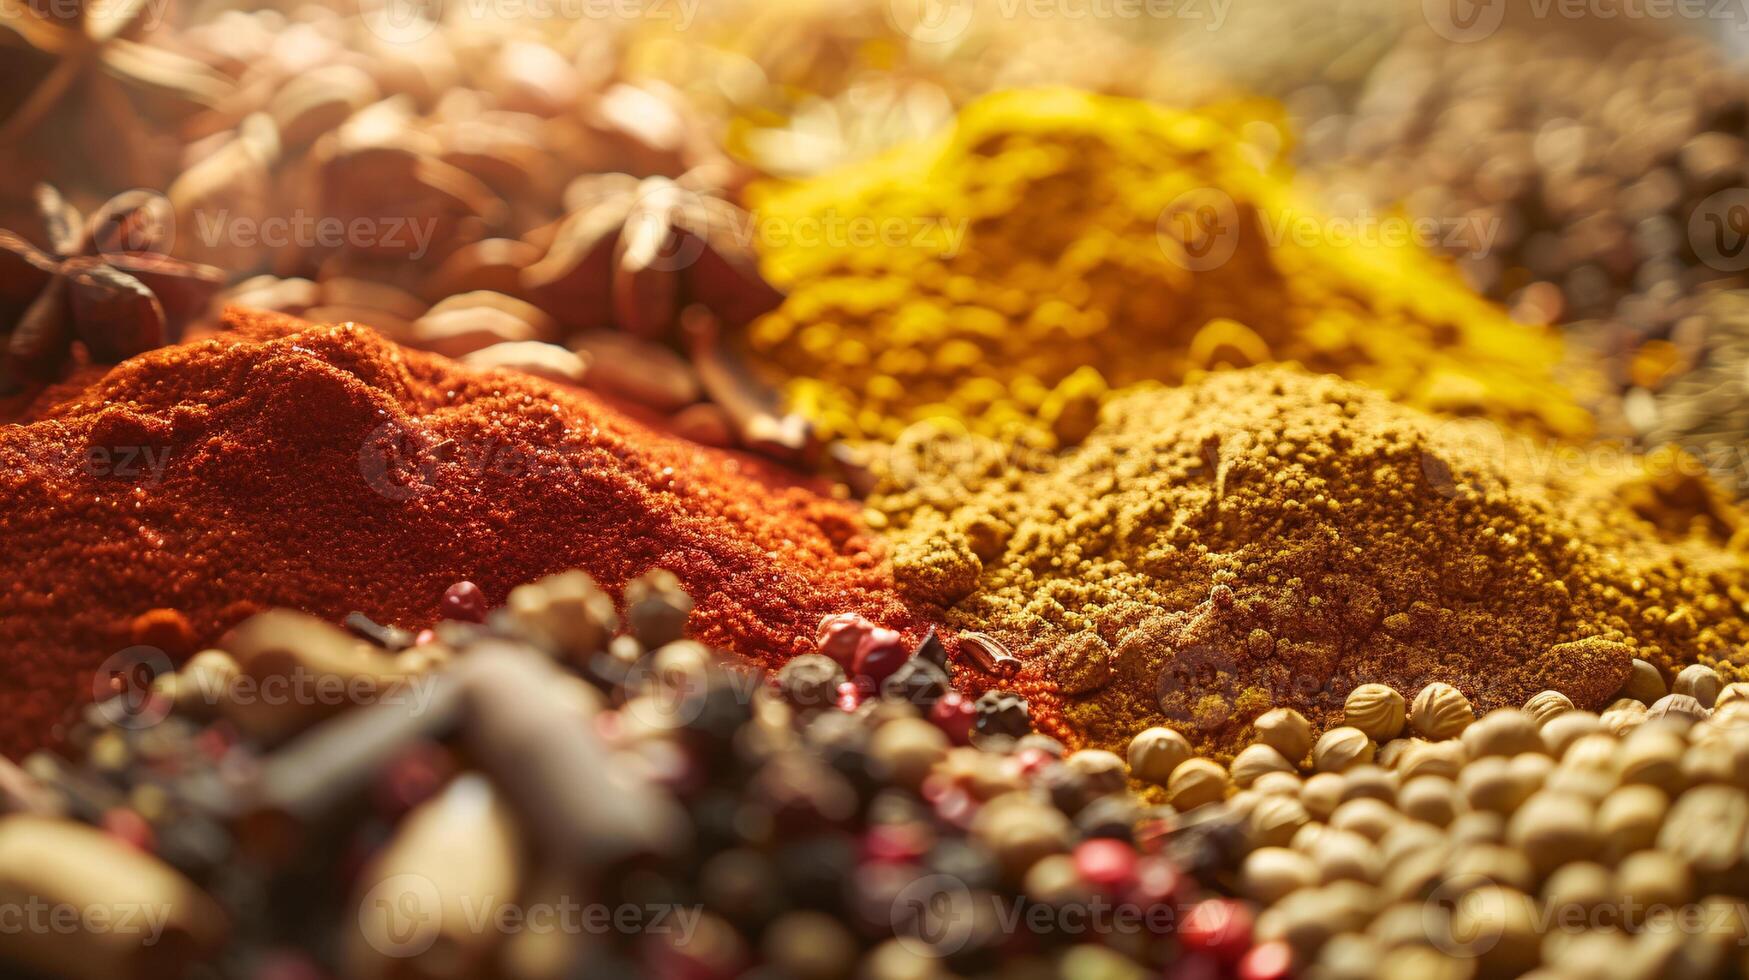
1053	245
1268	537
326	469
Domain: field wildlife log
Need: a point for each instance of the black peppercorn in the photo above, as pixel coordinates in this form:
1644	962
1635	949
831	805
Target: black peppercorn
917	682
810	680
1003	713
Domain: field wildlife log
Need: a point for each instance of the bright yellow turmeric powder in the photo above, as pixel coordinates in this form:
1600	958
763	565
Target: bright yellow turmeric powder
1054	244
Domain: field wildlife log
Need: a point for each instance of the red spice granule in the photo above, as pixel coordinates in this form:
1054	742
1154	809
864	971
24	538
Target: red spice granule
326	469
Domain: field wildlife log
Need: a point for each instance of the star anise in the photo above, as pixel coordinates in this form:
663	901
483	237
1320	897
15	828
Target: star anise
106	283
634	253
94	56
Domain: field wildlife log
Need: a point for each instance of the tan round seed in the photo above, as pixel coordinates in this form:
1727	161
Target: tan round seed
1369	818
1701	683
1546	705
1155	752
1279	784
1257	760
1431	799
1440	712
1433	759
1287	731
1738	691
1506	731
1644	683
1322	794
1340	749
1197	782
1552	829
1274	820
1376	710
1271	874
1681	710
1628	820
1625	715
1566	728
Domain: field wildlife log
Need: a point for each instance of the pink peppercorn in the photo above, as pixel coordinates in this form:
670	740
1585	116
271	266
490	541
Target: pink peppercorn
130	828
1270	961
955	715
849	696
1029	761
1156	882
465	602
881	652
1220	927
840	635
1108	865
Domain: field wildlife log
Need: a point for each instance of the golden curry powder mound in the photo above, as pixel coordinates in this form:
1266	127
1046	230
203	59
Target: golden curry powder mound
1269	537
1053	243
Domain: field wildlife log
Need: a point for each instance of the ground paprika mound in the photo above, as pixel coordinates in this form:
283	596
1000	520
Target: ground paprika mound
326	469
1268	537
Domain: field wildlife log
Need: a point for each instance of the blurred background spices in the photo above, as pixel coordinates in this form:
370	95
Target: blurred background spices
325	469
1268	538
1054	243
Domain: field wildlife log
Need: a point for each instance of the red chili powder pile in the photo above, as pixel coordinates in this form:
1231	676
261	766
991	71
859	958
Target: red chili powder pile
326	469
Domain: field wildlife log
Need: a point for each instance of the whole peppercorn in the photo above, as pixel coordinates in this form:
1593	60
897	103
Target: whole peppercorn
1268	961
465	602
809	945
1432	759
956	715
1113	815
1274	820
1287	731
906	748
1547	704
1440	712
1623	716
1369	818
1552	829
1197	782
879	654
1429	799
1002	713
1565	729
1103	770
1322	794
1652	756
1219	927
657	607
1644	683
1340	749
1270	874
1257	760
917	681
1019	831
810	681
839	635
1107	865
1679	709
1504	731
1342	855
1699	682
1278	784
1502	924
1155	752
1628	820
1370	782
1731	692
1376	710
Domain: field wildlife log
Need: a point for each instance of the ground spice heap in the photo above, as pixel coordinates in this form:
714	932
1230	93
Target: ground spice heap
1054	243
325	469
1267	537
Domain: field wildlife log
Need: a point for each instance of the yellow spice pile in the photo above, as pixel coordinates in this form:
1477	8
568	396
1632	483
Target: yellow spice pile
1267	537
1053	244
